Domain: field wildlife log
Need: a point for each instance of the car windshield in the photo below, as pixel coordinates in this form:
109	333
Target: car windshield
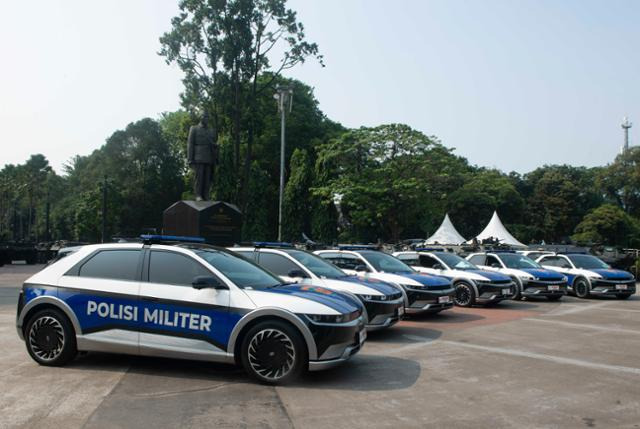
244	273
513	260
587	262
455	262
386	263
317	265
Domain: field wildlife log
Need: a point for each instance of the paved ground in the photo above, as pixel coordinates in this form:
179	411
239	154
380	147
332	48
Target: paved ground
520	364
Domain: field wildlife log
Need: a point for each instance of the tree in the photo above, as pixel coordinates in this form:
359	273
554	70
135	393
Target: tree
386	175
609	225
620	181
223	48
296	211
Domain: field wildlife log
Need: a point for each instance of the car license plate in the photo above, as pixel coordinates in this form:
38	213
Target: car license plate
363	336
621	287
554	287
443	299
401	310
506	291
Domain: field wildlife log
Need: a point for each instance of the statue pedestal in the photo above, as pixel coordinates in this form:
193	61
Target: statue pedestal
217	222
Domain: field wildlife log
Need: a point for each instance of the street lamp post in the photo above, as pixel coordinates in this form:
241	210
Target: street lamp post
104	209
284	97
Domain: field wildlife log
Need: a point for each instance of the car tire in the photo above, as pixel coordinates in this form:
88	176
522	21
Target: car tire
274	352
517	296
465	295
50	338
623	295
554	297
581	288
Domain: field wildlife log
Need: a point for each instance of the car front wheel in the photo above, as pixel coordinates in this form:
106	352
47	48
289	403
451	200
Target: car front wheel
273	352
581	288
465	296
50	338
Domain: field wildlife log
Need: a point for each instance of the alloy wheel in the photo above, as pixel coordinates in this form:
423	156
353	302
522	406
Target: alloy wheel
46	338
271	354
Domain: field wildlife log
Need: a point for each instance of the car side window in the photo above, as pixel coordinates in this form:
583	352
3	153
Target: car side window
551	261
249	254
112	264
174	268
563	263
409	259
477	259
345	261
429	261
277	264
492	261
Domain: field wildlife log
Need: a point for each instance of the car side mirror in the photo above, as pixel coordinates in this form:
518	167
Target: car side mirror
437	267
207	282
495	265
297	273
360	267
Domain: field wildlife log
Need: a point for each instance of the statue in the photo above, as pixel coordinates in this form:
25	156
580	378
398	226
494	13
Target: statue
202	155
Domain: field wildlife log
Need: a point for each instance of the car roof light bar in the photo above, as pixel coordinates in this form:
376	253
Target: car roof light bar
157	238
272	244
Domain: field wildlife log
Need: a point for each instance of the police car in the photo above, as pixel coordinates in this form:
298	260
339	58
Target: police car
529	277
177	297
383	303
472	285
588	275
422	293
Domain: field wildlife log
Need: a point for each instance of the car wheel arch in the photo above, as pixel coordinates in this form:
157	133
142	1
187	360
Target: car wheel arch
469	282
265	314
43	303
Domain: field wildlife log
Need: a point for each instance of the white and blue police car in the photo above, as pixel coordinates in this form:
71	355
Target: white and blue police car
383	302
177	297
422	293
472	285
588	275
529	277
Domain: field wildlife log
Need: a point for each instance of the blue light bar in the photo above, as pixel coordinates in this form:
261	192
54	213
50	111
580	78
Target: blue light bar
272	244
430	249
185	239
358	247
500	251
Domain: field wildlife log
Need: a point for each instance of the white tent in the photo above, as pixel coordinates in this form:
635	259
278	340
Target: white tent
446	234
495	229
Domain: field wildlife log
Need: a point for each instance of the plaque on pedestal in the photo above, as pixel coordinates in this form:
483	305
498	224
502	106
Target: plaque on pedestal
216	221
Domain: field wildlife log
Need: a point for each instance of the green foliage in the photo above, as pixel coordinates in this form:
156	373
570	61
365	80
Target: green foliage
620	181
608	224
295	210
256	217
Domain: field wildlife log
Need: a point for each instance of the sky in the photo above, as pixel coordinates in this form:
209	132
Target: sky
510	85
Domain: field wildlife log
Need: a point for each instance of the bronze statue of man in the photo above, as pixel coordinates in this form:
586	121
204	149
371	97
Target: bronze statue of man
202	155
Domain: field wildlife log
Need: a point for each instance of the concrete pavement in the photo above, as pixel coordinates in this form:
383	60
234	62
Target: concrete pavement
525	364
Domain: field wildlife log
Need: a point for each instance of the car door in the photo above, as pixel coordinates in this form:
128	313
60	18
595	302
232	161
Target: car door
492	263
175	317
102	290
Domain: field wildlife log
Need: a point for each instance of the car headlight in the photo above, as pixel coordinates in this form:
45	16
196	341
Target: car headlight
527	278
373	297
333	318
416	287
564	278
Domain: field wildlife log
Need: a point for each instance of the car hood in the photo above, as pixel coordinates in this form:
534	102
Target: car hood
377	285
489	275
612	274
307	299
542	274
425	279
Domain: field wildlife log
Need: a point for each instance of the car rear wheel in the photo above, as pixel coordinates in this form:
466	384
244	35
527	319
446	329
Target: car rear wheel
581	288
554	297
465	296
273	352
50	338
517	296
623	295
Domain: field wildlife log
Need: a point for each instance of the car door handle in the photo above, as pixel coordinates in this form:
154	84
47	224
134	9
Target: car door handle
150	298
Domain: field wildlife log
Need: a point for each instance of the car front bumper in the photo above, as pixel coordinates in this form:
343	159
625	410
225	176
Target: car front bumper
429	300
603	287
383	314
539	288
494	292
336	343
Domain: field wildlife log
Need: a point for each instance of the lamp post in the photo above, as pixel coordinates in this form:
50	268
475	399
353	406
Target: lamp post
284	97
625	126
104	208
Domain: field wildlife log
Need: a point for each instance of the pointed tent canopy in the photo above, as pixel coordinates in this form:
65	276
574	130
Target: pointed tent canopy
446	234
496	229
